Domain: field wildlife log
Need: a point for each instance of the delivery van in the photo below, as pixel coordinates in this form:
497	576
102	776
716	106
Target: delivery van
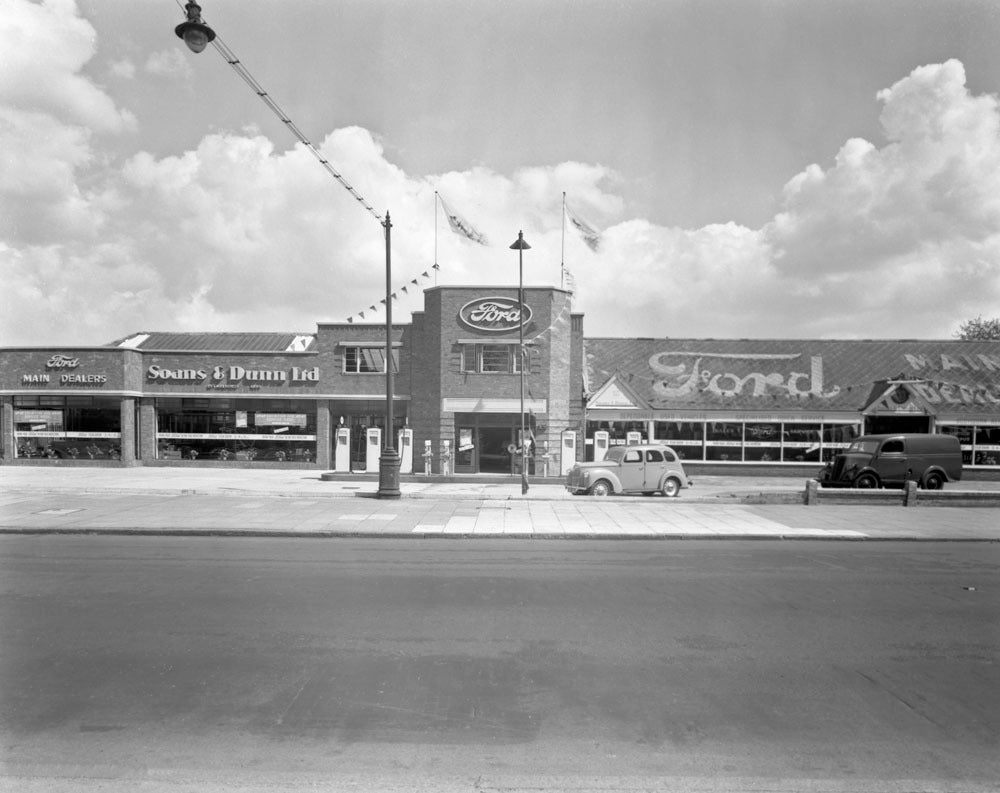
892	460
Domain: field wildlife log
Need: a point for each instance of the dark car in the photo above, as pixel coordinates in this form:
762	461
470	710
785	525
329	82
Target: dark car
893	460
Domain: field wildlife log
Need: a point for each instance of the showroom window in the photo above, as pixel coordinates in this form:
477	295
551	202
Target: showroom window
74	427
251	430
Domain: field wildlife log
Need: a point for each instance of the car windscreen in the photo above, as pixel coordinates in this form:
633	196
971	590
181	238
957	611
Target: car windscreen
866	447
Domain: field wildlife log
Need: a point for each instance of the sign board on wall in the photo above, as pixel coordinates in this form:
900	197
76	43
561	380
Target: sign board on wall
494	314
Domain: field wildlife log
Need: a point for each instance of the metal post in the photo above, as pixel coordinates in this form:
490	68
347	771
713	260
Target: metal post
521	245
388	467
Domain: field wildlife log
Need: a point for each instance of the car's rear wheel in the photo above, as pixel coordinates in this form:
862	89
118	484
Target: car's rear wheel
866	482
671	487
933	481
601	487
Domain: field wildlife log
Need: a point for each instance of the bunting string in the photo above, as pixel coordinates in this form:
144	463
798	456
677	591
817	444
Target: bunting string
230	57
404	288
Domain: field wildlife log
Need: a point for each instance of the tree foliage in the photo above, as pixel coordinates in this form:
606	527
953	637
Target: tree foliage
979	329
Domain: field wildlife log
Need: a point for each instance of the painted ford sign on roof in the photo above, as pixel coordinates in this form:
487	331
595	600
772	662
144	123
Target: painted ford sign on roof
494	314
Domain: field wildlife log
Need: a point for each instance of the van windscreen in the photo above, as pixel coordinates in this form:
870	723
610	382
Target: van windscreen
866	447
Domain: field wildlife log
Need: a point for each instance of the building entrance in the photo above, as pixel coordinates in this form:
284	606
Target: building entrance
482	444
884	425
493	455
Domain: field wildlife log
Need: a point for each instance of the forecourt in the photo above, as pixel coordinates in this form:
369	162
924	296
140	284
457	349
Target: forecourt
299	503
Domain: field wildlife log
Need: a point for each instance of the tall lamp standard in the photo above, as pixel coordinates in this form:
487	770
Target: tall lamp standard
197	35
520	245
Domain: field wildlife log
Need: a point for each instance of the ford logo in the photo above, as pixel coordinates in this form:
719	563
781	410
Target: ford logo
494	314
62	362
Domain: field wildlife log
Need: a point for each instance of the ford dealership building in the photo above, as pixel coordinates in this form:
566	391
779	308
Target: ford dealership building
317	399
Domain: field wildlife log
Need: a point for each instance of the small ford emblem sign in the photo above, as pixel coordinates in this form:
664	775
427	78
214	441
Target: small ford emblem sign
494	314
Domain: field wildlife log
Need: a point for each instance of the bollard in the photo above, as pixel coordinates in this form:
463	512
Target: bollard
812	491
910	493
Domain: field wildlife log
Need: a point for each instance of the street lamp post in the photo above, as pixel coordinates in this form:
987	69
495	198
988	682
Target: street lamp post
521	246
197	35
388	461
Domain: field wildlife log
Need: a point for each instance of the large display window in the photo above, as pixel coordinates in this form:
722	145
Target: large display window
67	427
980	443
687	438
756	441
248	430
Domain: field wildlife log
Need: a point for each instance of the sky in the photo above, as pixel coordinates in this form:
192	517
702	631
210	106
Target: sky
752	168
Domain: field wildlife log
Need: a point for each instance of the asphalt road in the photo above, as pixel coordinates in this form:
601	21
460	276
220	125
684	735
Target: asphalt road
183	664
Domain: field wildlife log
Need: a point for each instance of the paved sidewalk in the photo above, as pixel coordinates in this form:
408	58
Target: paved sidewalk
299	503
298	482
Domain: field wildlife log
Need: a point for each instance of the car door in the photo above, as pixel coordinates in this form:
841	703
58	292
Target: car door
633	470
656	467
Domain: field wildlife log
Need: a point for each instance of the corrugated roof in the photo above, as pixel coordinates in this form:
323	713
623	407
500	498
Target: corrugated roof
768	375
219	342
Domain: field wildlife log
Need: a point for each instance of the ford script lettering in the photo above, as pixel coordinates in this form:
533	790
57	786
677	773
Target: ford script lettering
62	362
494	314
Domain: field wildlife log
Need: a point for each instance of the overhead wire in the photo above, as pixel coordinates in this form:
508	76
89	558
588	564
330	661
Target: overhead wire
244	73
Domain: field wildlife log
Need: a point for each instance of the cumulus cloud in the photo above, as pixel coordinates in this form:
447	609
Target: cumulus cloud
168	63
917	220
235	233
52	84
123	69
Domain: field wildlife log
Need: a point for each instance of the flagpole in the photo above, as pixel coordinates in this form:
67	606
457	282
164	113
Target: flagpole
435	235
562	255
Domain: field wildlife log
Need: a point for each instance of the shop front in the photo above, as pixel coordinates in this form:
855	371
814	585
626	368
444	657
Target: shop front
475	366
789	402
66	405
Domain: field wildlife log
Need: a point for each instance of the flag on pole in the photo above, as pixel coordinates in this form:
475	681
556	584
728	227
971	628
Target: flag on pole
570	280
461	226
590	235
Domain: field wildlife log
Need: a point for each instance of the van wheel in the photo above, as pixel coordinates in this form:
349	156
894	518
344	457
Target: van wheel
866	482
601	488
671	487
933	481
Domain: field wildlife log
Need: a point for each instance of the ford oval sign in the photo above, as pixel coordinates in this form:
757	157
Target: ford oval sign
494	314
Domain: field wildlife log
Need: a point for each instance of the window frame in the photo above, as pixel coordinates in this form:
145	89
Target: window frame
355	351
474	356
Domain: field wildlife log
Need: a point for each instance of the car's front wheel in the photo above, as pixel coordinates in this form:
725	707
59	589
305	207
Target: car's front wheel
671	487
866	482
602	487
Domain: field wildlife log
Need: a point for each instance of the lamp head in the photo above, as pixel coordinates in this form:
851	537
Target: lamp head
196	34
520	244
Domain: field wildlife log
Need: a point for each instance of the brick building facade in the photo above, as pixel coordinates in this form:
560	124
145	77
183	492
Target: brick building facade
317	399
